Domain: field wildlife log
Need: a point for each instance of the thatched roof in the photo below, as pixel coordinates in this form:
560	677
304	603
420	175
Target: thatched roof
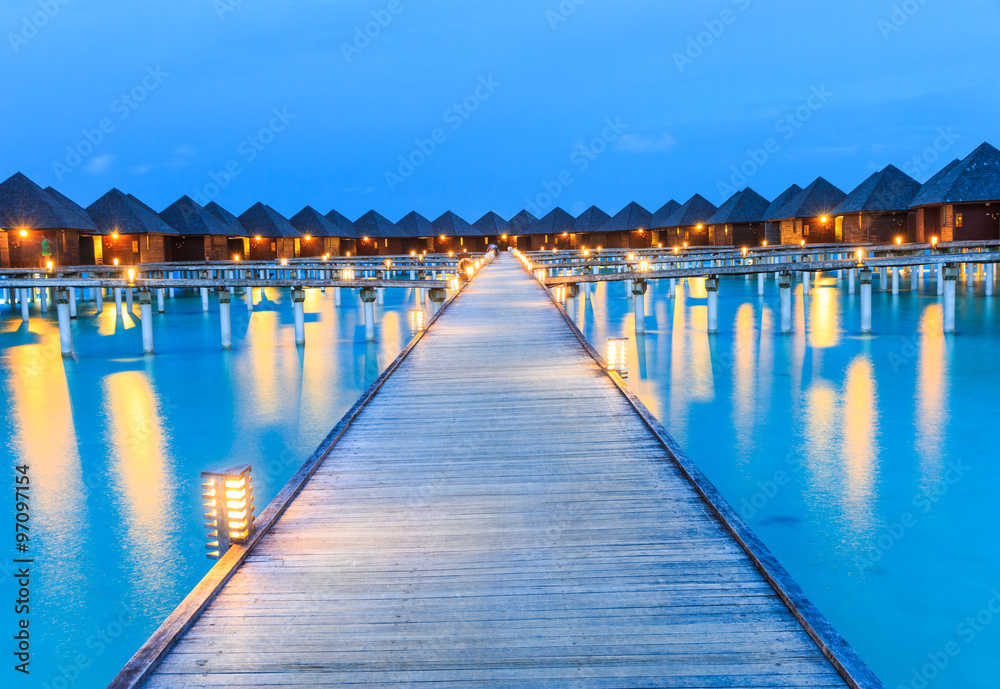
974	179
230	220
557	221
819	198
117	212
345	227
24	204
927	189
491	225
779	203
450	225
661	216
742	207
311	223
631	217
189	217
261	220
73	207
890	189
695	211
414	226
591	220
374	226
522	223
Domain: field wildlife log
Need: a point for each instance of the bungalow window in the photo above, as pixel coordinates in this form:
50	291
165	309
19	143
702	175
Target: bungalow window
135	246
274	246
147	242
805	230
959	219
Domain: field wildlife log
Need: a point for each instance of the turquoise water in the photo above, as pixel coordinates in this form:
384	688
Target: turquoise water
866	463
115	442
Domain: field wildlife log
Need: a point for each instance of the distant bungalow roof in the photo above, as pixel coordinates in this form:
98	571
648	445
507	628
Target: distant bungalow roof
450	225
312	223
590	220
742	207
118	212
779	203
230	220
73	207
631	217
696	210
24	204
521	223
928	187
556	221
188	217
491	225
889	189
345	227
818	198
374	225
661	216
261	220
976	178
414	226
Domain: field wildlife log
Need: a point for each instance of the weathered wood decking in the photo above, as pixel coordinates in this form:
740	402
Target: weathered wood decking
501	515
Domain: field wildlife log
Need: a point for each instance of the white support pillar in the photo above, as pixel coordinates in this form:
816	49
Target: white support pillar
914	279
950	278
146	316
673	288
118	302
990	272
572	291
712	288
128	299
225	317
866	301
806	279
760	284
851	279
298	307
337	299
99	299
437	297
639	294
204	299
785	291
883	279
380	295
895	280
65	334
25	304
43	296
970	274
159	300
368	299
72	302
249	294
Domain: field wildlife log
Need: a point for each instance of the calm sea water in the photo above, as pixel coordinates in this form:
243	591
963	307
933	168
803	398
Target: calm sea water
866	463
115	442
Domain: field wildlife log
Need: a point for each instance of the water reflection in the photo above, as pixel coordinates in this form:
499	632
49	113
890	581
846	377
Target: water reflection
860	447
932	395
744	378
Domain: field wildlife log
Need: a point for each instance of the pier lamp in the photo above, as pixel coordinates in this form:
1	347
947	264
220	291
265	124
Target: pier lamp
586	252
802	243
685	245
504	237
257	238
229	510
236	257
308	237
644	266
630	257
131	276
114	235
599	249
388	263
899	240
617	358
744	252
450	254
48	266
22	232
416	321
677	249
824	220
454	282
116	261
764	243
861	256
284	261
934	241
413	253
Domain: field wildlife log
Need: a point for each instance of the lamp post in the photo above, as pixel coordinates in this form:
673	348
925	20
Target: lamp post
229	509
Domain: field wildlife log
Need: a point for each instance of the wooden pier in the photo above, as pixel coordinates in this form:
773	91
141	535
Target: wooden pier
498	511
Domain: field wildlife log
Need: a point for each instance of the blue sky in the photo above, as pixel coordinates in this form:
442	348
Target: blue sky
438	105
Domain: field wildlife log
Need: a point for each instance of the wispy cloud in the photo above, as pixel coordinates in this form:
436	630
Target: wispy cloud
634	143
99	165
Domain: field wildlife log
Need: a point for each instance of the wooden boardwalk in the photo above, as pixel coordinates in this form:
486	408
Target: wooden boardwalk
500	515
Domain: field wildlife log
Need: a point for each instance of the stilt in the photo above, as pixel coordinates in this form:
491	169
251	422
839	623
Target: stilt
380	295
990	271
572	291
950	278
118	302
437	297
760	284
368	299
43	296
225	318
65	334
785	291
806	279
712	288
146	316
851	275
866	301
883	279
72	302
159	300
249	292
970	274
204	299
639	294
99	299
895	280
336	296
914	279
298	307
673	288
939	278
128	300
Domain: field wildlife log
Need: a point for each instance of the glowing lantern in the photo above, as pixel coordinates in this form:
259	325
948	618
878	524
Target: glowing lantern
617	358
23	233
899	240
934	241
416	321
131	275
229	510
48	265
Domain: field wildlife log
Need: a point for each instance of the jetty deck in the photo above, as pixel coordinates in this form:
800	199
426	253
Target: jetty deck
503	513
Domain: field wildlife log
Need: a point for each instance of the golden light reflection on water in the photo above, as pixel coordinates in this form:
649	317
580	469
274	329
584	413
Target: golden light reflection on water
824	318
932	395
143	484
744	378
860	446
691	377
765	363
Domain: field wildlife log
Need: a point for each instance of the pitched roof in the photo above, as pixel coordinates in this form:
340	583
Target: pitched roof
345	227
976	178
696	210
25	204
450	225
189	217
231	221
661	216
928	189
774	210
72	206
556	221
742	207
590	220
117	212
261	220
631	217
818	198
491	225
522	223
414	225
372	224
312	223
890	189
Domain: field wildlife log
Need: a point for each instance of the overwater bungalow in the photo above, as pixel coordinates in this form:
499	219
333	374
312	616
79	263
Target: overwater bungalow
629	228
451	234
417	232
239	242
808	216
659	222
739	221
345	231
89	241
377	235
320	237
963	203
271	235
879	209
587	226
555	230
36	227
130	231
520	230
688	224
772	225
493	229
201	236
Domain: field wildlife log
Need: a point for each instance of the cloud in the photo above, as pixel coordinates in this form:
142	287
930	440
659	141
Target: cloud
634	143
99	164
